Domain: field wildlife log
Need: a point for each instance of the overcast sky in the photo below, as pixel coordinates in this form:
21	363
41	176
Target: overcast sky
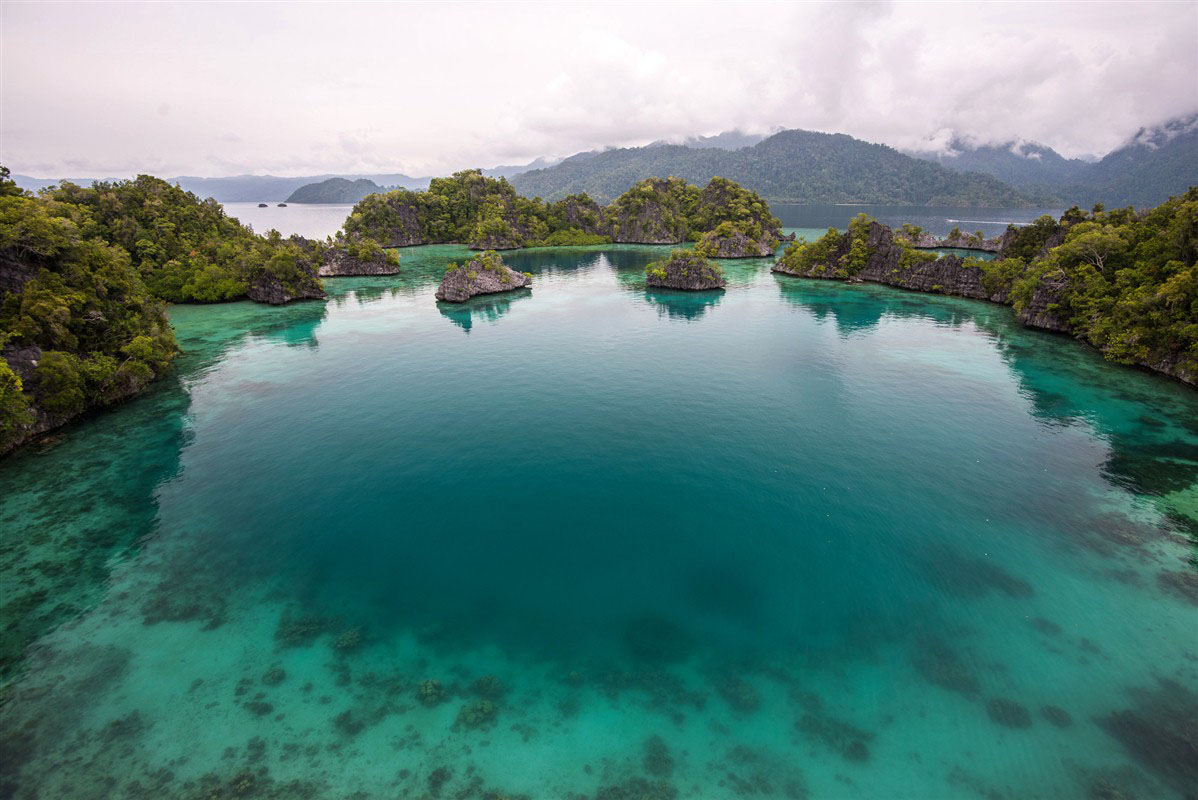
109	89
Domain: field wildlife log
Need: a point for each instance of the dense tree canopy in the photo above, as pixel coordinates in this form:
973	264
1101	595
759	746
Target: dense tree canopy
487	213
186	249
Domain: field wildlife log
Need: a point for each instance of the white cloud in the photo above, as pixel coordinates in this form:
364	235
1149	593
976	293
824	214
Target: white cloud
222	88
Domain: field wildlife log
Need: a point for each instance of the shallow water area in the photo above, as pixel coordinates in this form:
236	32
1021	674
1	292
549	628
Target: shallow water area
793	539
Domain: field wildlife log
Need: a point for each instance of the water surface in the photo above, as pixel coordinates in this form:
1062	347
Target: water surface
795	539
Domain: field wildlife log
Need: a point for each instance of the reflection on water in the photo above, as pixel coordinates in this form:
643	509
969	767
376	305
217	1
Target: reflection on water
683	305
485	307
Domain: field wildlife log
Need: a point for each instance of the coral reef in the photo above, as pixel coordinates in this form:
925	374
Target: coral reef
1161	732
1056	716
431	692
657	759
479	714
739	694
940	665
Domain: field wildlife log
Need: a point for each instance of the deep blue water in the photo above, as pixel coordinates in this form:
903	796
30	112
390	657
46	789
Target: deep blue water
794	539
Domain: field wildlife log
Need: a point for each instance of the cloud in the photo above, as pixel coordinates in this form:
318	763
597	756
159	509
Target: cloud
228	88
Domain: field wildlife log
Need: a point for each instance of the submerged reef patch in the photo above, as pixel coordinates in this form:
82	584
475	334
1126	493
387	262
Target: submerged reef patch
1008	713
1161	732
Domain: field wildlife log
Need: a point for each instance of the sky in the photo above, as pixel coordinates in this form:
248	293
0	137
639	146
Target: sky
101	89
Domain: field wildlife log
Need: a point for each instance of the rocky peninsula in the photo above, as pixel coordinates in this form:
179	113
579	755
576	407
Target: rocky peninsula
484	274
1058	275
688	270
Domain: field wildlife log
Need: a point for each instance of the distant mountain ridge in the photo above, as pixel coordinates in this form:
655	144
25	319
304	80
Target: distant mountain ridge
1156	163
241	188
790	166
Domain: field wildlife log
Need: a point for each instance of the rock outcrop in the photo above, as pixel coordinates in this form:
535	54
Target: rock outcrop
648	213
580	211
484	274
736	244
340	262
684	269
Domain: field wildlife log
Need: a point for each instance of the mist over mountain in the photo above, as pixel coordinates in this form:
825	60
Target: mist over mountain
1156	163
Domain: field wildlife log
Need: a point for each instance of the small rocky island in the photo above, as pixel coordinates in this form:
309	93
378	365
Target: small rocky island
484	274
685	269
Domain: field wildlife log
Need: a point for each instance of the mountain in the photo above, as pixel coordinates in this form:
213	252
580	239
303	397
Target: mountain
334	190
240	188
790	166
1157	163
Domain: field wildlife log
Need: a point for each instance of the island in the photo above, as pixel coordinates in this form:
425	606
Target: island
334	190
484	274
688	270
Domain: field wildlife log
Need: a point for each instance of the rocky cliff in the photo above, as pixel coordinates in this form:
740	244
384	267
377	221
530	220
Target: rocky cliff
484	274
684	269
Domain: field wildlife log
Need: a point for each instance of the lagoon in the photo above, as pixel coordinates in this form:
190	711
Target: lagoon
795	539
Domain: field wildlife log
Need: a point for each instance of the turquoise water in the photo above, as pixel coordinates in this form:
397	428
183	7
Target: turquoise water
793	539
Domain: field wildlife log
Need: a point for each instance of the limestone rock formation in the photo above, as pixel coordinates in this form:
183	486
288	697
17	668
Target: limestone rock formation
484	274
685	269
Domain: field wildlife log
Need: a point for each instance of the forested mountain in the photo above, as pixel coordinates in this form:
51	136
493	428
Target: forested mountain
335	190
795	166
1155	164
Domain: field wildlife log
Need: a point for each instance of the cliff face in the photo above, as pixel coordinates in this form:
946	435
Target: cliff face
1045	309
684	269
483	274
